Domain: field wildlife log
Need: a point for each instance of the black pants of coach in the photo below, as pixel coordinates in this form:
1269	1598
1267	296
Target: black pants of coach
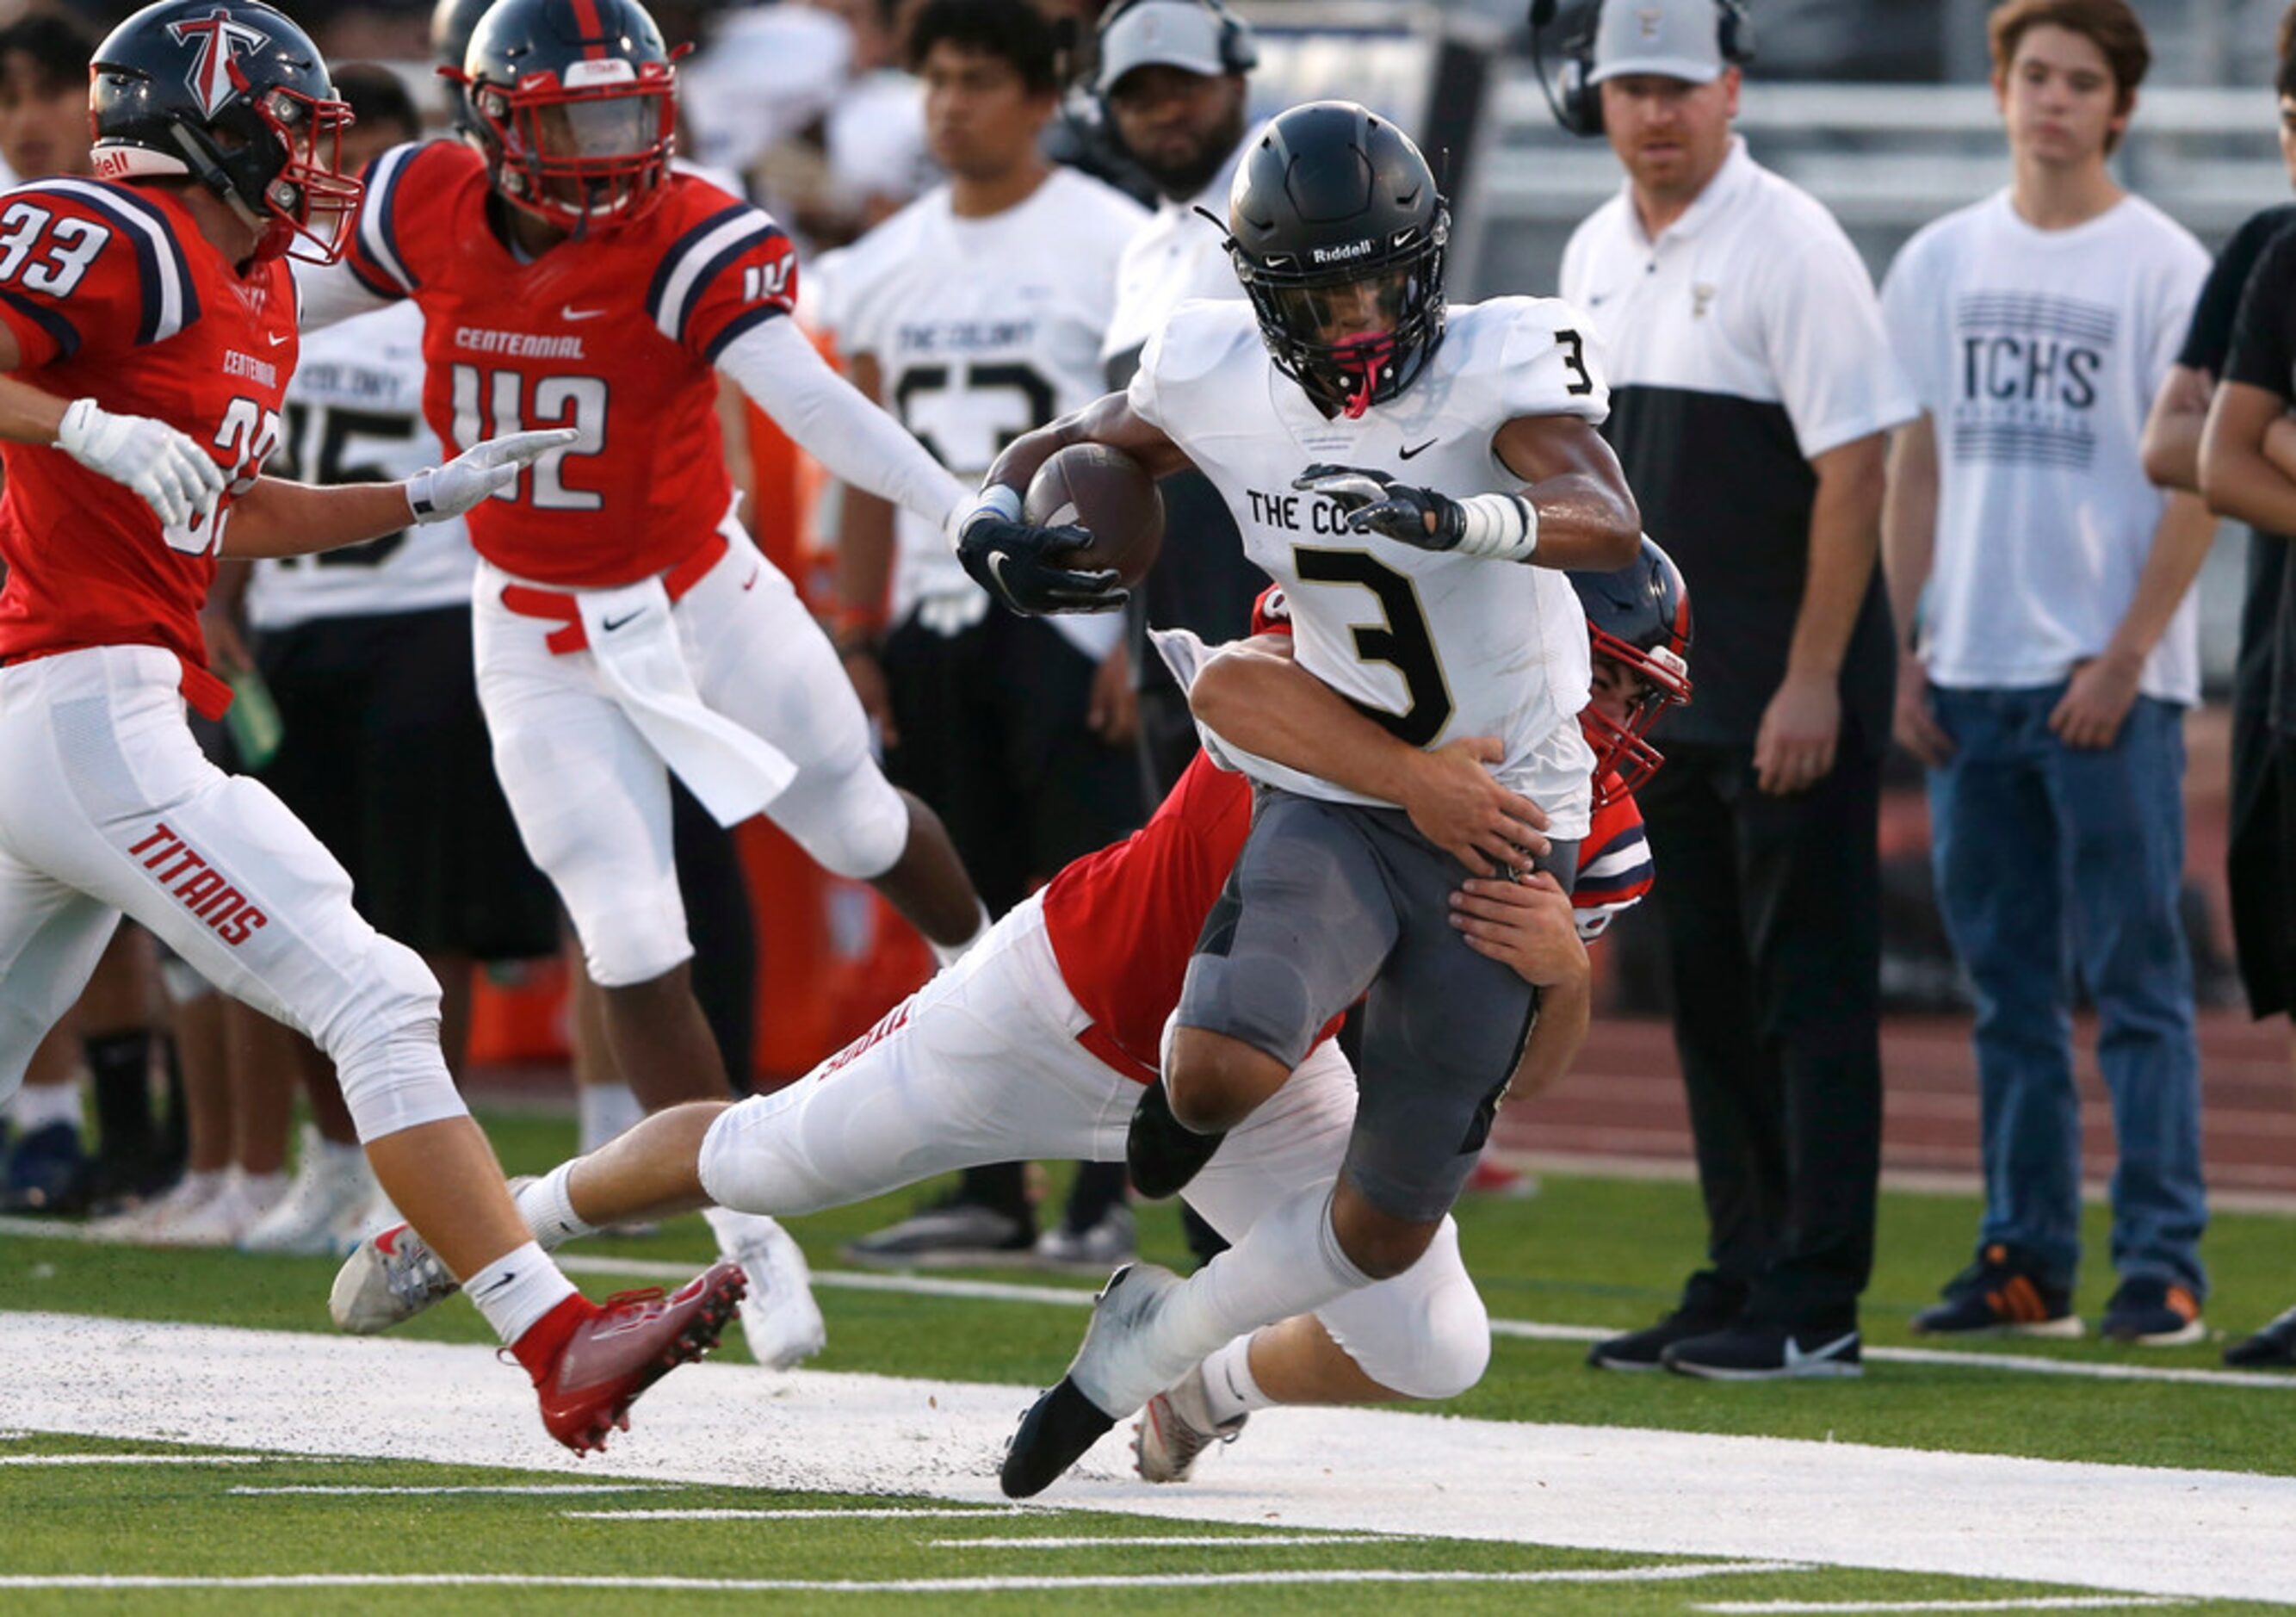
1771	907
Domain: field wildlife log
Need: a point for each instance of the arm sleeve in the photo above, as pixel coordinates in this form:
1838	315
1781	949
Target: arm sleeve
2176	291
328	293
734	273
1615	872
835	423
2209	338
1552	363
1909	319
376	259
2259	355
1822	323
1142	395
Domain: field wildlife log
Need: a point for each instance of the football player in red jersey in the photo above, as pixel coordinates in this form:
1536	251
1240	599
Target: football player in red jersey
623	623
1041	1041
147	328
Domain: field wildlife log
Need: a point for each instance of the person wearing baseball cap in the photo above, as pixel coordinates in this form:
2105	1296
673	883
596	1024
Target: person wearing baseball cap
1752	391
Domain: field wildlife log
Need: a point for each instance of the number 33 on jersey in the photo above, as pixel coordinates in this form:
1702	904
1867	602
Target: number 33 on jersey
615	336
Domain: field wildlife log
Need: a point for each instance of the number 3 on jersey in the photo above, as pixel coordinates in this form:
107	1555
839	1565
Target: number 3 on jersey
1402	641
579	402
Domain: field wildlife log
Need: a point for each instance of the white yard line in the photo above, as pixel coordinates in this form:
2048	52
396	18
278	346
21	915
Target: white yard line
728	1514
1674	1573
1151	1540
2043	1603
350	1491
2149	1530
1523	1330
135	1459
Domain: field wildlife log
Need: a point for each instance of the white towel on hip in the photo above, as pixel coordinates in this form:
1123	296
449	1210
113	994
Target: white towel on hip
734	772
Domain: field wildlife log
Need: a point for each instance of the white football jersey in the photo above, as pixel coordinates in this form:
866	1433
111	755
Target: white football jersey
354	415
1434	644
982	330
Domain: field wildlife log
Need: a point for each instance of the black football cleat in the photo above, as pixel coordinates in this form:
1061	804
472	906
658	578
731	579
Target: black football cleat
1055	1434
1161	1154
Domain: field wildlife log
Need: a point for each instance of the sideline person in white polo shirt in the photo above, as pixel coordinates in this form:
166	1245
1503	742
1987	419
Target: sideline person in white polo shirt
1751	390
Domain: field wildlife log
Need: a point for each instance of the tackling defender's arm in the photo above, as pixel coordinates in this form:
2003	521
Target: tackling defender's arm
1530	926
1253	694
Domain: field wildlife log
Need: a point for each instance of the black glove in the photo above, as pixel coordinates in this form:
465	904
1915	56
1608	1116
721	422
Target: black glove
1375	503
1019	566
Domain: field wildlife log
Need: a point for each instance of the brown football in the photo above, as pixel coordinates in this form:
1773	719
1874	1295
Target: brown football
1108	493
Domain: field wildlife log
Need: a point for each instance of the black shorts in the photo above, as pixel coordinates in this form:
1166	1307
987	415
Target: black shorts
1332	901
384	755
2261	862
993	737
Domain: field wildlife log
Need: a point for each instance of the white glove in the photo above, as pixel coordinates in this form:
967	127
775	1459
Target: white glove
174	476
438	493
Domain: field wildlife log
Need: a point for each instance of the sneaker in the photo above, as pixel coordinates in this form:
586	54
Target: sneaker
149	1223
1749	1352
1999	1296
626	1345
2152	1313
323	1209
951	1233
388	1279
47	1173
1096	1250
1176	1426
1708	1304
225	1217
2273	1348
1162	1155
1065	1422
780	1321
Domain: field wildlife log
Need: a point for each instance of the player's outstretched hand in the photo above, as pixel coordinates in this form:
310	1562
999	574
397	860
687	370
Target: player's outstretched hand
1375	503
174	475
438	493
1022	567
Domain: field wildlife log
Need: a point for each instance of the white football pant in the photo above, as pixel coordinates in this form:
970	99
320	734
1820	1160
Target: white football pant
107	805
592	797
982	1066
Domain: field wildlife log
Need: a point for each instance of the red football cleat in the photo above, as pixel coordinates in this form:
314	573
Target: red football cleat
623	1347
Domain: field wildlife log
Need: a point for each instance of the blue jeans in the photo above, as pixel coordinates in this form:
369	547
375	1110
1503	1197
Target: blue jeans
2052	859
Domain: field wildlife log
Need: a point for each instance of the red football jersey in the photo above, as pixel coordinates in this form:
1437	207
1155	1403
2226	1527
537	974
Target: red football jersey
615	336
1124	921
112	294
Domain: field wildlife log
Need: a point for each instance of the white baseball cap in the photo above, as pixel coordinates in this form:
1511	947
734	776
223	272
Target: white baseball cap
1666	38
1181	33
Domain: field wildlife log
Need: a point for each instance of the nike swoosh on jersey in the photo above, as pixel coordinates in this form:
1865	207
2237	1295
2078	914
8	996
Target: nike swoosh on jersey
279	337
1421	448
571	313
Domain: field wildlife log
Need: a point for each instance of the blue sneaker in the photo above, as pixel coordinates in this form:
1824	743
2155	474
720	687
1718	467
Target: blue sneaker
46	1173
2153	1313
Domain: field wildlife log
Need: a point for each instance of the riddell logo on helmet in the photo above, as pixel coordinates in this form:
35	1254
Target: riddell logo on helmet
112	164
1340	255
220	38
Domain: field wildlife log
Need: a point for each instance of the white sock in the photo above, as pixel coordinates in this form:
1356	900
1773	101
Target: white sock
945	955
1229	1389
41	1105
1289	1263
548	1211
607	1110
517	1289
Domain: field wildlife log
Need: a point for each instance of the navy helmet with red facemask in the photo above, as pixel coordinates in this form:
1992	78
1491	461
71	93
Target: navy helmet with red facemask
575	105
1638	618
235	96
1337	232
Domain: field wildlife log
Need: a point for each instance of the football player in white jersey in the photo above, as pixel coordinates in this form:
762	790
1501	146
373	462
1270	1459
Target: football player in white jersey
1017	731
1414	477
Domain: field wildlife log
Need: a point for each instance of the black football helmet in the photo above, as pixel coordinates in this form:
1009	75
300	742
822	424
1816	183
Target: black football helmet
234	94
575	103
1337	232
1639	617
